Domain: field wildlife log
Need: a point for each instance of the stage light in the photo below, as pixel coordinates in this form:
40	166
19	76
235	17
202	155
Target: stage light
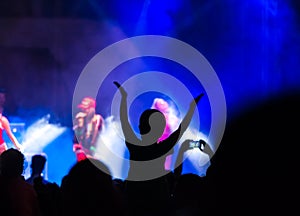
111	149
40	134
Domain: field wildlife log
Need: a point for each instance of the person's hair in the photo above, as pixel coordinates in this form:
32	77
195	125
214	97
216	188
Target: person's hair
11	163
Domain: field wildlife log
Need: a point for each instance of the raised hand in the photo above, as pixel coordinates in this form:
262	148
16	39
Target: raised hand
206	148
121	89
197	99
117	84
185	145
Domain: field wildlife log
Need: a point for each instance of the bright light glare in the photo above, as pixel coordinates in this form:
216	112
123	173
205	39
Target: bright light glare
40	134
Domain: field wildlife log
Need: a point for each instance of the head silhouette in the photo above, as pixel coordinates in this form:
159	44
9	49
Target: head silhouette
38	163
152	124
89	184
11	163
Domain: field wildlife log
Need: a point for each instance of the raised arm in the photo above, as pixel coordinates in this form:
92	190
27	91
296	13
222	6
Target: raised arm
128	132
6	126
187	119
179	160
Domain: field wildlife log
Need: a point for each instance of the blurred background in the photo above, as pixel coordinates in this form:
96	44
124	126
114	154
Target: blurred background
253	46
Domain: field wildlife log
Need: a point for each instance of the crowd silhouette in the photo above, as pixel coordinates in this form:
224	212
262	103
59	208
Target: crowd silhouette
253	171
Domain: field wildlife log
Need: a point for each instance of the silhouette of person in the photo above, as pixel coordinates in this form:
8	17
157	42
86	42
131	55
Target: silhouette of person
88	189
5	126
87	127
191	194
17	196
38	162
147	156
185	146
48	193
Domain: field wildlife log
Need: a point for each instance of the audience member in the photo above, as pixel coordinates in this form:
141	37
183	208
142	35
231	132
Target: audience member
144	192
37	166
17	196
49	195
191	194
88	190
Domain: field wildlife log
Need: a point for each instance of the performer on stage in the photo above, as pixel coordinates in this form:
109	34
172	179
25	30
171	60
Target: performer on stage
87	126
5	126
172	122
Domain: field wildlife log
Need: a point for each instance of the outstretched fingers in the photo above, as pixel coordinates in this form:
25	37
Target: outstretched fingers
117	84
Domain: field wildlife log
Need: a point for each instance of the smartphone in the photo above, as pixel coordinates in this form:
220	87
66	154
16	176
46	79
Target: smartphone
197	144
194	144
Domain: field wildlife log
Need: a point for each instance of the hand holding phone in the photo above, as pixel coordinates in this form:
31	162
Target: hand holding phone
197	144
194	144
